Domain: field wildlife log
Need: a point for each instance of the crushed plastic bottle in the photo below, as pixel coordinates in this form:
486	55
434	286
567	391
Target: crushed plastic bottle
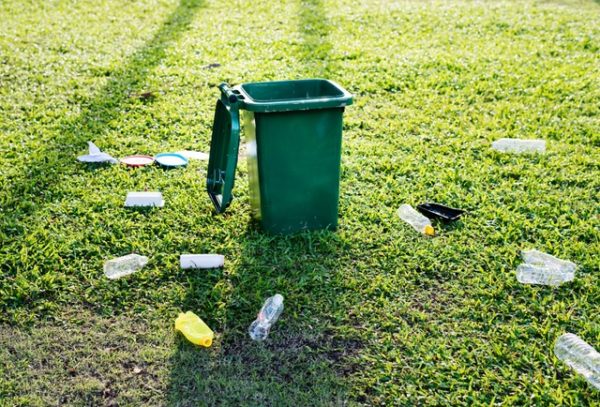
514	145
123	266
268	315
194	329
580	356
419	222
544	269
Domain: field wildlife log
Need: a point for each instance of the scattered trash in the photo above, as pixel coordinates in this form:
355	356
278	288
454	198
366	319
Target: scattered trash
137	370
419	222
171	160
137	160
434	210
123	266
513	145
96	156
144	199
544	269
268	315
194	155
201	261
194	329
580	356
211	66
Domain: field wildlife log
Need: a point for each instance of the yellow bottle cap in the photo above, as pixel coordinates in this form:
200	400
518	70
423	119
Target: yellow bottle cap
429	230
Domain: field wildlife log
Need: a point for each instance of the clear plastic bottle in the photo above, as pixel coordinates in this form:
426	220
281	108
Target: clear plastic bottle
419	222
268	315
514	145
542	268
544	275
580	356
122	266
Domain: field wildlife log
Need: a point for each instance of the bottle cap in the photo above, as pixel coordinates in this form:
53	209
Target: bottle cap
429	230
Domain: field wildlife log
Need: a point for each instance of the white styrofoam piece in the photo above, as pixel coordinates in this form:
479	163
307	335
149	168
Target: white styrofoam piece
201	261
145	199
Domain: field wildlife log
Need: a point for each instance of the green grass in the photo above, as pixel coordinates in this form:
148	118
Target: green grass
375	314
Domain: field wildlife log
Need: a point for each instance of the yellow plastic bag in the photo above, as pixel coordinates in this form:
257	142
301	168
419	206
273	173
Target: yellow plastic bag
194	329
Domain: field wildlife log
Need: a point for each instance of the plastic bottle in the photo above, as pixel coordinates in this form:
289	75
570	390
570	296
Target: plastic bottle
419	222
580	356
513	145
270	311
194	329
122	266
542	268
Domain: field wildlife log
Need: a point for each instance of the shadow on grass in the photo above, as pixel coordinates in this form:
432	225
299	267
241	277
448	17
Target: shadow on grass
300	362
38	186
315	47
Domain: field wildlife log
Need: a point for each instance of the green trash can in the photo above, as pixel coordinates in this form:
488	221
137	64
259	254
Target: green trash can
293	132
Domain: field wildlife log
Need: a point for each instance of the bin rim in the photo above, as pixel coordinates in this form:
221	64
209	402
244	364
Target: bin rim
247	102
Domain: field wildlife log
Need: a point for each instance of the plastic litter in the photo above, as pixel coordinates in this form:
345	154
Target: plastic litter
544	269
194	329
144	199
438	211
171	160
96	156
513	145
201	261
137	160
580	356
194	155
419	222
268	315
125	265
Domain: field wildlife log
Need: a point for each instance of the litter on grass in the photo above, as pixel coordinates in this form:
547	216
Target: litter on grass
542	268
438	211
268	315
171	160
144	199
125	265
201	261
513	145
137	160
419	222
194	155
96	156
580	356
194	329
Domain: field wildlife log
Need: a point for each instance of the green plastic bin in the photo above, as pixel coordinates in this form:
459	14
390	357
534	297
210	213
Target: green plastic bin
293	132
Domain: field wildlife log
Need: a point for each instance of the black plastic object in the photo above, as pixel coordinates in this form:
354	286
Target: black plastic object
433	210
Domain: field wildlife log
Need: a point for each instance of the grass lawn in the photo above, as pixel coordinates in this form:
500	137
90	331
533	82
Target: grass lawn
375	313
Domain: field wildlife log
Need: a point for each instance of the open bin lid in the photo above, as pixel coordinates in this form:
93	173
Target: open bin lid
224	148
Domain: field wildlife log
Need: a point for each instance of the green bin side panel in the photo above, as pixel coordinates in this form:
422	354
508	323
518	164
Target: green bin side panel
294	168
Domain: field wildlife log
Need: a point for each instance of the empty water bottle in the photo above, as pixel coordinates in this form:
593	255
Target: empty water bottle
580	356
270	311
513	145
122	266
542	268
419	222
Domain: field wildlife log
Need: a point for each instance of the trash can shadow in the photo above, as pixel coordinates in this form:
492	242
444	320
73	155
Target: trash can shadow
299	362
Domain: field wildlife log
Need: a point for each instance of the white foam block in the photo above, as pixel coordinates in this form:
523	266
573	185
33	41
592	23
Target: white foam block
144	199
201	261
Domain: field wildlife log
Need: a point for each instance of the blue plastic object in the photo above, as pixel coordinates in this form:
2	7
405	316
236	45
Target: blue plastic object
171	160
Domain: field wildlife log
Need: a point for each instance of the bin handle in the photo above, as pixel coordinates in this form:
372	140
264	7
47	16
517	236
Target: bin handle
228	93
